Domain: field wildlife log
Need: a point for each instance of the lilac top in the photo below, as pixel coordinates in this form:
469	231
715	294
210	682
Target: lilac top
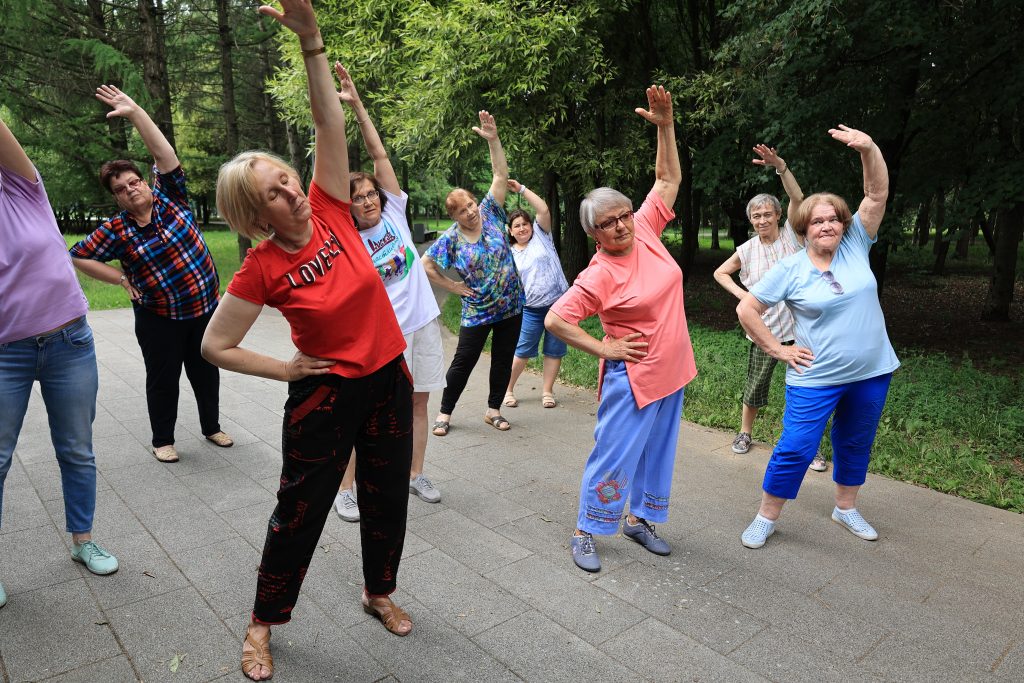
38	287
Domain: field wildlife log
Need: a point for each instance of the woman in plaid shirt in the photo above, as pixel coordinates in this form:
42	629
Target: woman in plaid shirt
166	269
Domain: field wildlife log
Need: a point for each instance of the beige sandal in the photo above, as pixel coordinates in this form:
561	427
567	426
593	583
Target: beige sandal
510	400
221	439
548	400
258	656
165	453
390	614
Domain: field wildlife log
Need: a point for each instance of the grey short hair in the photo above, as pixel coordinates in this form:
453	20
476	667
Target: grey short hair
598	201
761	200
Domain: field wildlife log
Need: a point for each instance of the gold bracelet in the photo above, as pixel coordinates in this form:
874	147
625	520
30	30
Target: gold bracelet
314	52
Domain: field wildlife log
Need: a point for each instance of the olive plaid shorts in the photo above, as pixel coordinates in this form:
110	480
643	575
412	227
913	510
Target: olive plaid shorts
759	376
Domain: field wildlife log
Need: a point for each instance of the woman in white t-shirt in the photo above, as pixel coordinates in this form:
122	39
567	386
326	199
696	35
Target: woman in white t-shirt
544	282
378	207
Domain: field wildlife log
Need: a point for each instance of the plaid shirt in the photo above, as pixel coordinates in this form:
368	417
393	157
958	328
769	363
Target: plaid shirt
168	260
756	259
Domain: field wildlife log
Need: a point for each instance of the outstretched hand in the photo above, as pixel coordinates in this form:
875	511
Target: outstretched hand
487	129
121	104
659	106
851	137
298	16
769	157
347	92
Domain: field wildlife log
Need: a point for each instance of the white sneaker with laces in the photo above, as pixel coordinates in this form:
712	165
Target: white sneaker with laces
346	505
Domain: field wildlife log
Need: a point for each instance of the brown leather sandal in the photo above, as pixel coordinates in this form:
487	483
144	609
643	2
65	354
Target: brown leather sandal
258	656
391	615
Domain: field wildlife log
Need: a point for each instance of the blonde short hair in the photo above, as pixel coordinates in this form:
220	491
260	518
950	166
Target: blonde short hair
238	199
803	213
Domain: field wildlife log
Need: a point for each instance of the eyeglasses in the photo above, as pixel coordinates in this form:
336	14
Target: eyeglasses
828	277
131	185
363	198
823	221
612	222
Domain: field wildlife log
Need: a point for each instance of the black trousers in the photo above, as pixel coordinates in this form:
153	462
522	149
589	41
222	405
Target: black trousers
467	353
325	416
166	345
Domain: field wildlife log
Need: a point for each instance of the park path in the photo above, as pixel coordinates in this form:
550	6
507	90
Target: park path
487	574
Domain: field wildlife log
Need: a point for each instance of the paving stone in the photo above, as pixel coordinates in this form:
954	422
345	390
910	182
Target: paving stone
119	450
227	488
475	545
58	629
144	571
481	505
35	558
183	522
781	656
142	485
176	626
217	567
112	669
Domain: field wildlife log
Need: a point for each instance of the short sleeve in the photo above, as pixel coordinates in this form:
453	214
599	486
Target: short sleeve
653	215
774	286
492	212
172	185
248	283
19	186
858	235
580	301
398	201
102	244
441	251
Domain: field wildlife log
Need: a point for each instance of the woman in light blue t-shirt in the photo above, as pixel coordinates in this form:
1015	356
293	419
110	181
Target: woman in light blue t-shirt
842	361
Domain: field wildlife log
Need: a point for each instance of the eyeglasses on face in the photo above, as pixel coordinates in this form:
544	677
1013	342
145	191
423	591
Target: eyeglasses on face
612	222
363	198
127	187
828	277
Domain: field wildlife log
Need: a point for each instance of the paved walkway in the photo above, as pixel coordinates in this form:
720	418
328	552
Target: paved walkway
487	575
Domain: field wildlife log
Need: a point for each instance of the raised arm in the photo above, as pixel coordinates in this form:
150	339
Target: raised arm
382	167
667	172
723	276
541	212
488	130
876	176
12	156
330	165
122	105
749	312
769	157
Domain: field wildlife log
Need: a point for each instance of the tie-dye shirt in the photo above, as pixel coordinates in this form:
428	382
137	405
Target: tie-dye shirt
486	266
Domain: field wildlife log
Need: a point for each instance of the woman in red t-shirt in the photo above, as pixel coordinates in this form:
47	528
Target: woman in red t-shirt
348	384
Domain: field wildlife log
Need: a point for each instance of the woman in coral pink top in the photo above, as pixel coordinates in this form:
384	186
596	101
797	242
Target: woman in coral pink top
635	287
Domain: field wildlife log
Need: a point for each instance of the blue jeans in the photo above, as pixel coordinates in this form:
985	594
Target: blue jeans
64	364
529	336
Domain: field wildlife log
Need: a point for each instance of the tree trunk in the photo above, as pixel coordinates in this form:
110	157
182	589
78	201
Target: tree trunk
575	248
690	228
227	103
154	65
921	225
941	236
986	231
1004	264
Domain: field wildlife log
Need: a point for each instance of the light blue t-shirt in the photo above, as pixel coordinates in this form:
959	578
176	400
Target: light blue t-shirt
846	332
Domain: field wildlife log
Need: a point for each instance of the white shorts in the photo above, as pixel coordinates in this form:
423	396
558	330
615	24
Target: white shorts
424	355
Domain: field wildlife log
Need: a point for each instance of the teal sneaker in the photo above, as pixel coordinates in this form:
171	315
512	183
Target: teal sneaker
95	558
3	595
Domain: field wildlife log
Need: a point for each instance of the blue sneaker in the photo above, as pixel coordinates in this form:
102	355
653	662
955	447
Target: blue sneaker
95	558
3	595
644	534
757	533
855	524
584	554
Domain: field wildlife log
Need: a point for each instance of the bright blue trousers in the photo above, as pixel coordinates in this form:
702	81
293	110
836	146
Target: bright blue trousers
855	409
633	457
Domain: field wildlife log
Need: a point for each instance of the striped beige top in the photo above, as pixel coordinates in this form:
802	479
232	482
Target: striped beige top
756	259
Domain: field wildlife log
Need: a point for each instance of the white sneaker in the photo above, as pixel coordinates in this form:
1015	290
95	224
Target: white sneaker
855	524
346	505
425	489
757	533
818	464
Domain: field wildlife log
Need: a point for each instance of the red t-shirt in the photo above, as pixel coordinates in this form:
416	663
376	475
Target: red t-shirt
329	292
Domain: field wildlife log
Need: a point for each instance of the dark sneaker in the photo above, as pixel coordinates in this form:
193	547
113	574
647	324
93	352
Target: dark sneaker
584	554
741	444
644	534
855	524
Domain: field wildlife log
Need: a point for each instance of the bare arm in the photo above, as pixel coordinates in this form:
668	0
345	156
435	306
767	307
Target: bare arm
488	130
723	276
229	325
438	278
122	105
667	172
12	155
330	167
541	212
876	176
769	157
749	312
382	167
106	273
625	348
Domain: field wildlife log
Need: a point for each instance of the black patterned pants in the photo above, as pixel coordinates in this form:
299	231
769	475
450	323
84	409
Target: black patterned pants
326	416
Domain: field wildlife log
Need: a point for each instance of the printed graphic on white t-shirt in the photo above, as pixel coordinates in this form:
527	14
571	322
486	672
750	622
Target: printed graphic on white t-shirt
392	258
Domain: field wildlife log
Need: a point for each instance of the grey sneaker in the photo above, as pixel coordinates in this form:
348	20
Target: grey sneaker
643	533
757	533
741	444
584	554
855	524
818	464
94	557
425	489
346	505
3	595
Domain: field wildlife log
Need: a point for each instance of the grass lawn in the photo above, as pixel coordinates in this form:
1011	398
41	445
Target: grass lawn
949	427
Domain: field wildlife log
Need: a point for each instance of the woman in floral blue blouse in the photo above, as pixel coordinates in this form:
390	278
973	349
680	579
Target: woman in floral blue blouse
492	293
